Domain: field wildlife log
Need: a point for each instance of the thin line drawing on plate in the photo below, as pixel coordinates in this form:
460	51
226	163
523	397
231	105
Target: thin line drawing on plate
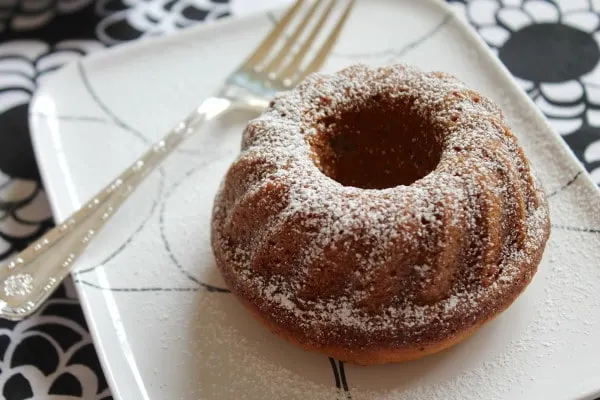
389	55
344	380
339	375
83	118
104	107
113	116
164	196
396	54
162	224
576	228
336	374
566	185
130	239
138	289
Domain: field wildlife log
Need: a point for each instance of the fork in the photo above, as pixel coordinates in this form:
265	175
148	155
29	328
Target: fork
29	278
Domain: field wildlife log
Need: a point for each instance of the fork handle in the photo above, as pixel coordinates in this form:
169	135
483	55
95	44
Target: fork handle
32	275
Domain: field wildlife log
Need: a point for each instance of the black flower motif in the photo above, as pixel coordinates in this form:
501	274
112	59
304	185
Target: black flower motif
43	355
23	64
24	214
50	355
153	17
27	15
553	51
24	210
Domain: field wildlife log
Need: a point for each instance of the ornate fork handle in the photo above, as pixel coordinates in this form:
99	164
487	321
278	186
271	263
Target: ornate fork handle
30	277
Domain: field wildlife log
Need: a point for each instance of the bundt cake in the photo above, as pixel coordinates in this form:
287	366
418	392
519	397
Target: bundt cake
379	214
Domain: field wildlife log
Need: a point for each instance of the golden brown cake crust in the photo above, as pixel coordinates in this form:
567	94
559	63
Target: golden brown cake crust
379	214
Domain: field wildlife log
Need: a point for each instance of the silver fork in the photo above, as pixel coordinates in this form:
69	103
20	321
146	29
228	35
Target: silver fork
29	278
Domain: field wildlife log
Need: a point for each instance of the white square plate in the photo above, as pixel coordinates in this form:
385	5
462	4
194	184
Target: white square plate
148	284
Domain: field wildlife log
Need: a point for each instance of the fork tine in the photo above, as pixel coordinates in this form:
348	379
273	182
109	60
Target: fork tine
321	56
273	65
290	69
263	49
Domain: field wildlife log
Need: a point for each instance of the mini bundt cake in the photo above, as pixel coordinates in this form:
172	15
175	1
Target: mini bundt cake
379	214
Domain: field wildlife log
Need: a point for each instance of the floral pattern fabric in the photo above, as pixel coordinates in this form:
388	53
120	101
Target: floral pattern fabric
552	48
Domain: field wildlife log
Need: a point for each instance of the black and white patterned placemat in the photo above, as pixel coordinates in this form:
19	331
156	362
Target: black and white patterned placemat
552	48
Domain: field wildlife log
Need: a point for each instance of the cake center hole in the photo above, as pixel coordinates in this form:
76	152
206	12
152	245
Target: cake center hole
381	146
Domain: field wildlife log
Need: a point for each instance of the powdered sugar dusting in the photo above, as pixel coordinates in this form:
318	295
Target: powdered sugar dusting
417	262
